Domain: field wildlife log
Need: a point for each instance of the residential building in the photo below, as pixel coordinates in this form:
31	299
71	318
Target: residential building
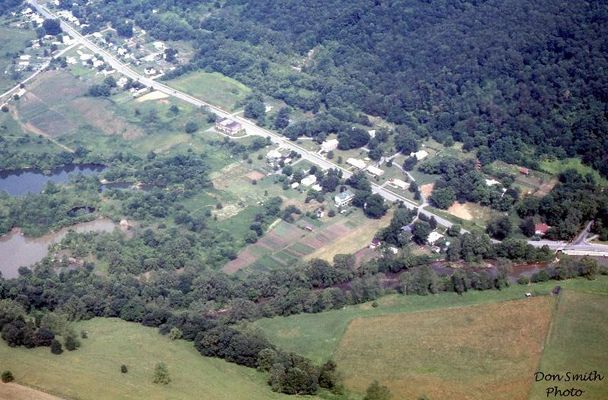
329	145
309	180
399	184
229	127
434	237
541	229
344	198
420	155
375	171
355	162
273	155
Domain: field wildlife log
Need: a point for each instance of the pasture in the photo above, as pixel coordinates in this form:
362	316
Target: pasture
93	371
577	343
482	352
213	88
317	335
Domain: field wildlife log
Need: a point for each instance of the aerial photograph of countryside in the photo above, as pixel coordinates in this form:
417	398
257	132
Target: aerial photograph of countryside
303	199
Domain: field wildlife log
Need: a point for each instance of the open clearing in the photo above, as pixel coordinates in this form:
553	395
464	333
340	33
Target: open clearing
93	371
577	342
317	335
156	95
483	352
354	240
213	88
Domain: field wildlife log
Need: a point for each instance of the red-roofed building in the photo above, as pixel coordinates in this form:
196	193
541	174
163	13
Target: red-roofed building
541	229
524	171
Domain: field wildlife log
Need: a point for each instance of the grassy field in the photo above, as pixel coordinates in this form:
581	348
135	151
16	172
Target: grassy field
93	371
213	88
554	167
317	335
13	40
577	342
486	351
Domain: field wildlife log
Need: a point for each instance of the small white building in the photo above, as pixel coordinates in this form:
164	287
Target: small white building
273	155
317	187
434	237
355	162
25	57
375	171
329	145
398	183
372	133
295	185
309	180
492	182
420	155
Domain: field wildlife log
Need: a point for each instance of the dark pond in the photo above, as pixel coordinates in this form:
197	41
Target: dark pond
22	182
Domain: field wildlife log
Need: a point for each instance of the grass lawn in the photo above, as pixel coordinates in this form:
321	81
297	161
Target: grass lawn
487	351
93	371
554	167
213	88
577	342
317	335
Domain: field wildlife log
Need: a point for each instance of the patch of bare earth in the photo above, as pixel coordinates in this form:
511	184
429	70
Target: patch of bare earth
461	211
14	391
426	190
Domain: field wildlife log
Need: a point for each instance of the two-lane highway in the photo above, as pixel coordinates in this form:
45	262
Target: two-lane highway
253	129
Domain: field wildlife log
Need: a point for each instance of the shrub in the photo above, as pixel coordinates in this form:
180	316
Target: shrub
7	376
124	369
523	280
56	347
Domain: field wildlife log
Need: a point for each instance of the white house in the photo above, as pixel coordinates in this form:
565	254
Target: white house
492	182
344	198
273	155
375	171
434	237
420	155
398	183
329	145
309	180
355	162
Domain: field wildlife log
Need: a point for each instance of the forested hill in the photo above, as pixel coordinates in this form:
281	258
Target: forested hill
509	78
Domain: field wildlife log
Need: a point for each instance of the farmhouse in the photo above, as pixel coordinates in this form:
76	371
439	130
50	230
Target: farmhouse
229	127
309	180
372	133
492	182
524	171
295	185
434	237
541	229
420	155
375	171
329	145
273	155
355	162
344	198
317	187
398	183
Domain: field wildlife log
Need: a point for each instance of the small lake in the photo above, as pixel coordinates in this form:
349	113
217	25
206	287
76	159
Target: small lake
22	182
17	250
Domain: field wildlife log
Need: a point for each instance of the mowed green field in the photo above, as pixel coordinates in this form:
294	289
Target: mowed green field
93	371
577	343
213	88
318	335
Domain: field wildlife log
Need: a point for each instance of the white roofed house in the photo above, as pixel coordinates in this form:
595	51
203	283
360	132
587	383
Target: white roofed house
375	171
329	145
398	183
355	162
344	198
420	155
273	155
309	180
434	237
